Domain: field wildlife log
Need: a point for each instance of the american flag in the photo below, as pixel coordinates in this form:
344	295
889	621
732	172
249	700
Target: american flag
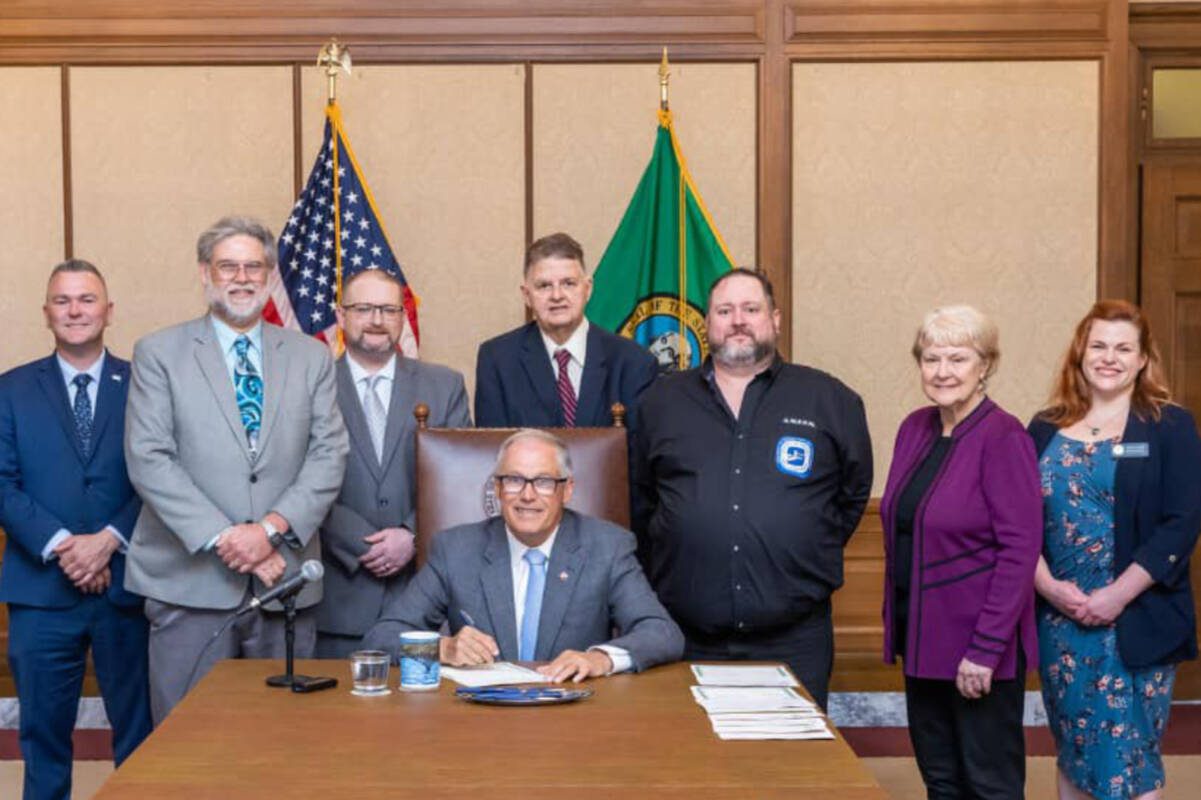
333	233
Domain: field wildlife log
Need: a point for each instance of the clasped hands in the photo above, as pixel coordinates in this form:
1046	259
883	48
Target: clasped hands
470	647
1101	607
84	557
245	548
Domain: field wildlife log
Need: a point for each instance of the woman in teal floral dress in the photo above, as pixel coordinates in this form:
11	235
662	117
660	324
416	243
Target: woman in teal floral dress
1122	507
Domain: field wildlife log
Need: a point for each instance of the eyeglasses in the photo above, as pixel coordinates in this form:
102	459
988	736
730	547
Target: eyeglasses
229	269
366	310
515	484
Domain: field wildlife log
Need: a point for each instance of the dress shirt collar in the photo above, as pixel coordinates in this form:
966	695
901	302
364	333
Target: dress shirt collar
69	371
576	344
517	549
226	336
358	372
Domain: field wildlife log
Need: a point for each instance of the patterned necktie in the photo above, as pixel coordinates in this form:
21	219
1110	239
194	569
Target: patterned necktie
377	417
533	604
566	393
248	386
83	411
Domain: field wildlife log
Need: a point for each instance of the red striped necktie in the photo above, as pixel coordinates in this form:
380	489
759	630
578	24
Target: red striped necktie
566	393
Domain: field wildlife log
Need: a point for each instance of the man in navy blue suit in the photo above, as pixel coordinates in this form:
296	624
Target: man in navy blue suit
67	508
558	370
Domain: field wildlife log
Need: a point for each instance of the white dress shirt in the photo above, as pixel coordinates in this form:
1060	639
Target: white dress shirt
577	346
521	579
96	370
383	386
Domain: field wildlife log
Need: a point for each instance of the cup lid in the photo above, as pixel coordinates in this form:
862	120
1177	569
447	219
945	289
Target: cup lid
420	636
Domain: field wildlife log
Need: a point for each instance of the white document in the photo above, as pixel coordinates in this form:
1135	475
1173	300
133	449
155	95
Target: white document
725	675
822	734
497	674
721	699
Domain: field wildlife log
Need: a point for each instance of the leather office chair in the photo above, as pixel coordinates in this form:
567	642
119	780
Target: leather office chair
454	473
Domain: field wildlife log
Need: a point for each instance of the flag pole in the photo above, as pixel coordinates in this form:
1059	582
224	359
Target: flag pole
665	113
334	57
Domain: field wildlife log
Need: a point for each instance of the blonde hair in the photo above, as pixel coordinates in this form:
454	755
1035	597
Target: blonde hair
960	326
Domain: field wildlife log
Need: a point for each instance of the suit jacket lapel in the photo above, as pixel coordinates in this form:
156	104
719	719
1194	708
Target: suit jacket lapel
355	417
1128	473
110	395
212	365
275	371
496	580
537	369
562	576
50	377
592	381
399	407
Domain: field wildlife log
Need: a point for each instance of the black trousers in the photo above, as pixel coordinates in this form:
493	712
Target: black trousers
968	749
806	647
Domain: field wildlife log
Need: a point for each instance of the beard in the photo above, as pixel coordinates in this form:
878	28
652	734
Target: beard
223	309
737	354
382	347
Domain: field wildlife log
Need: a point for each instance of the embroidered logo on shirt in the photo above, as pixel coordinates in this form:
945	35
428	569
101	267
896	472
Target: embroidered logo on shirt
794	456
808	423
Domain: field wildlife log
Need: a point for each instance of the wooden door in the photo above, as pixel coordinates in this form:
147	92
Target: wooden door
1171	297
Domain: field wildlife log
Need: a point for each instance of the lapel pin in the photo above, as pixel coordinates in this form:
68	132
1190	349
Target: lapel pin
562	576
117	378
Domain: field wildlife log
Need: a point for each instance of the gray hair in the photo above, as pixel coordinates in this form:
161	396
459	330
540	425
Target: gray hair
960	326
562	455
77	265
229	226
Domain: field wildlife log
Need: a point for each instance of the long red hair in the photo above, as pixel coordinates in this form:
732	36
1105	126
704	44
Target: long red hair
1072	396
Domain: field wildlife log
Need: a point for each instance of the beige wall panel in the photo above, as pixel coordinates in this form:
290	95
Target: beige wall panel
922	184
31	206
594	129
442	148
159	153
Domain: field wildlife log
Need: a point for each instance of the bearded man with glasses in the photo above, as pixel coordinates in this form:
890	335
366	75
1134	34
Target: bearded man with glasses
538	583
367	537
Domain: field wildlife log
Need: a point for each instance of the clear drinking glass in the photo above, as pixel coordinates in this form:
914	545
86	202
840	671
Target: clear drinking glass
369	672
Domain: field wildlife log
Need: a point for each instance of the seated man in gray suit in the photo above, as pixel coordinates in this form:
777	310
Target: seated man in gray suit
367	539
540	583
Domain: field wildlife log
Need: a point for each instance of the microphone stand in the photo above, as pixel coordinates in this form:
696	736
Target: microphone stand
298	683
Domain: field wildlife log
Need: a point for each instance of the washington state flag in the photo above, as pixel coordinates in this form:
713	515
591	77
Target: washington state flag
653	280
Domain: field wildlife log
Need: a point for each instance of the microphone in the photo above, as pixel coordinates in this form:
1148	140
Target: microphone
310	571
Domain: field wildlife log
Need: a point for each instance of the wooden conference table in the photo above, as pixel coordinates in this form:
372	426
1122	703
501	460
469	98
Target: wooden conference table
638	736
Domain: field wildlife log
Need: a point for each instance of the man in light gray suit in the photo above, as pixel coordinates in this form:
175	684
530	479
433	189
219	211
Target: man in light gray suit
367	538
540	583
234	440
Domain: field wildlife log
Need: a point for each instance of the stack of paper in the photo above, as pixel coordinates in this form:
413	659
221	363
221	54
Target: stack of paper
497	674
772	710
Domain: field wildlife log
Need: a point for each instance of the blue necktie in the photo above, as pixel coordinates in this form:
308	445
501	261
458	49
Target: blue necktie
533	604
83	411
249	389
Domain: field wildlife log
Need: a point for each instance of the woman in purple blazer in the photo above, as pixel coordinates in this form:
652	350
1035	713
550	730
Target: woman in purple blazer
962	520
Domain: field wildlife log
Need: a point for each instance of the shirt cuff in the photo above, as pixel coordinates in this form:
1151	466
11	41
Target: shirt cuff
123	543
618	655
58	538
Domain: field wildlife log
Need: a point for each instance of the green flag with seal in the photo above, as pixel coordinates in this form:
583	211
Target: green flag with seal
653	280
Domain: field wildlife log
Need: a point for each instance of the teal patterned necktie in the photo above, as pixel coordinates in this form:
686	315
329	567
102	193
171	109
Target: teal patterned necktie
248	386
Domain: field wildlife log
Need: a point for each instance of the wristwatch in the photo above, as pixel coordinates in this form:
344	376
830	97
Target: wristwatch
274	536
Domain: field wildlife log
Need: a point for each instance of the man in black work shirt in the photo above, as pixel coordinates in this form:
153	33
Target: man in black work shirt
749	477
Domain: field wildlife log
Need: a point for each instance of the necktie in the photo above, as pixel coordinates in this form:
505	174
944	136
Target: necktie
377	417
248	386
566	393
533	604
83	411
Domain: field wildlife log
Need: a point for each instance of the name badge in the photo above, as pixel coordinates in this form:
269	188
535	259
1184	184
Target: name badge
1132	450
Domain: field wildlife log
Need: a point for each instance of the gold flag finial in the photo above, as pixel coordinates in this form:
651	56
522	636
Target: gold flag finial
334	57
664	74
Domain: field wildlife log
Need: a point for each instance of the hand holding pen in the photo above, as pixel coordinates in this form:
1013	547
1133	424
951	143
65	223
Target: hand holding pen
468	647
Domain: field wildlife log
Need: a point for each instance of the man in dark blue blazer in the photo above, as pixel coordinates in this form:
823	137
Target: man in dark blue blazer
558	370
67	508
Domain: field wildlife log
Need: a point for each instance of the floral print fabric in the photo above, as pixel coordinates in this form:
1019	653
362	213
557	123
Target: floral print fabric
1107	720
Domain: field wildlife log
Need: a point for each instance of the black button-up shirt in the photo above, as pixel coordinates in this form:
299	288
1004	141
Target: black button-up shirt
742	521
